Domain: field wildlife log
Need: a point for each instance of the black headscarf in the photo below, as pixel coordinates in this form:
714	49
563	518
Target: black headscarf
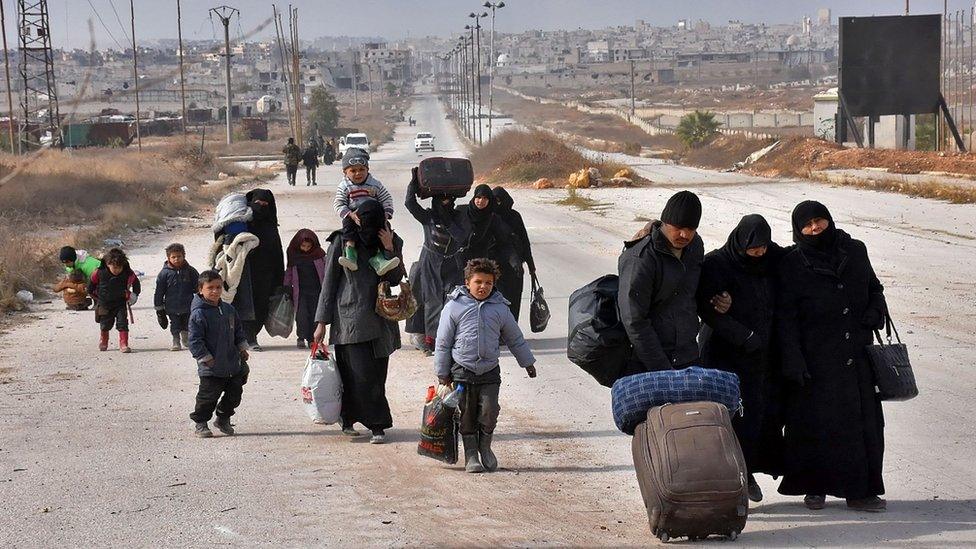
480	218
503	199
752	232
372	219
267	213
802	214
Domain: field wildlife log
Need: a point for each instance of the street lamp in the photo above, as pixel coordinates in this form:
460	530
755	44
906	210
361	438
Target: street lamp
491	58
476	36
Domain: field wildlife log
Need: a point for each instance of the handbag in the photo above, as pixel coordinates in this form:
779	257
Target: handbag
281	314
538	310
893	375
395	307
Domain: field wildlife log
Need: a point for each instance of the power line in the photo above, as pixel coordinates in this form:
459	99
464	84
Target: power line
100	20
119	19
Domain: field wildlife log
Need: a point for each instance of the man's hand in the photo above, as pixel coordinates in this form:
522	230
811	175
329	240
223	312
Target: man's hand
445	380
163	320
244	355
721	302
386	237
530	370
355	217
210	363
319	335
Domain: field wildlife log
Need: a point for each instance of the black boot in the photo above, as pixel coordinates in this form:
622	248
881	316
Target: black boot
488	459
471	463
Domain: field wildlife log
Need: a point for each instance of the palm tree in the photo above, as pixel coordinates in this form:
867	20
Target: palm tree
696	128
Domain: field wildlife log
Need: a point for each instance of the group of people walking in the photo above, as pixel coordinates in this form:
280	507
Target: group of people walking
318	151
793	324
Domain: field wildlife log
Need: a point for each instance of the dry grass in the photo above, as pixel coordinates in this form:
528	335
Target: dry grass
923	189
76	198
522	157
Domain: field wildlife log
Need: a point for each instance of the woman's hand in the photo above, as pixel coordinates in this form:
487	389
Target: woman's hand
319	335
355	217
721	302
386	237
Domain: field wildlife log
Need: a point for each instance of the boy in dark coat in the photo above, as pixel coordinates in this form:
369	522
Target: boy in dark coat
115	289
219	345
176	285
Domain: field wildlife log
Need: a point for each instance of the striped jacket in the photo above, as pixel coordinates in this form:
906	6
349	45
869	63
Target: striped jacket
349	196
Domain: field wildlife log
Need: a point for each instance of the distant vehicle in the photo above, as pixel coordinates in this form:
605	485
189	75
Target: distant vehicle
424	141
353	141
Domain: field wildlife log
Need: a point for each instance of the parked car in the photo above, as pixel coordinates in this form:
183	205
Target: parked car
423	142
353	141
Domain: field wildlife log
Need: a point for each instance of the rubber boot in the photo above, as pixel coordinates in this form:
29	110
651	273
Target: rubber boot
103	342
488	458
185	339
124	342
471	460
176	344
349	258
382	265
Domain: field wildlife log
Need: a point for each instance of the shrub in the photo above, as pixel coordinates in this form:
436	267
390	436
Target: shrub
697	128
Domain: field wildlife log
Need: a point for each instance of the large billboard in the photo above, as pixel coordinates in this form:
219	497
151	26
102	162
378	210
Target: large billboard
890	65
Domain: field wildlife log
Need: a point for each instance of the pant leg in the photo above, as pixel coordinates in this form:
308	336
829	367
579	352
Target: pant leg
111	319
308	174
122	319
207	395
174	325
233	391
313	168
488	407
468	405
349	229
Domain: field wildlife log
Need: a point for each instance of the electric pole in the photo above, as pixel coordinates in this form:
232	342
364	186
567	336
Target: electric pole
297	75
6	68
135	70
285	80
39	98
224	13
179	36
633	91
491	67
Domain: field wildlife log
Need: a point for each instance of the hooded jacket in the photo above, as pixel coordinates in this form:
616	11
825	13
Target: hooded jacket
175	289
113	291
216	333
74	293
471	332
657	298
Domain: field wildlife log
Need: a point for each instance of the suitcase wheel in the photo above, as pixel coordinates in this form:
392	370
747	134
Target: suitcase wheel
733	535
663	536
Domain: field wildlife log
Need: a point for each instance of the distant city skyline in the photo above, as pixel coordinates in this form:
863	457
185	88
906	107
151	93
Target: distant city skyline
398	19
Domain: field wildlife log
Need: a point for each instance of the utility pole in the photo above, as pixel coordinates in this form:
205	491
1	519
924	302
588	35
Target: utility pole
224	13
491	67
135	70
39	98
369	83
633	91
6	68
297	75
179	36
285	80
476	38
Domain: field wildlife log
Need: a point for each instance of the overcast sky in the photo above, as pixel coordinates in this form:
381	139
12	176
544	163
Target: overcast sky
395	19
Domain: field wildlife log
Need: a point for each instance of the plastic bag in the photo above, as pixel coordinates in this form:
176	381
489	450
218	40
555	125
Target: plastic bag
281	314
322	386
439	429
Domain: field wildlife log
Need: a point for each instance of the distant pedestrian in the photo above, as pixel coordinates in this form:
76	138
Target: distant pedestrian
176	285
303	280
73	259
293	157
310	158
329	152
474	324
115	289
219	345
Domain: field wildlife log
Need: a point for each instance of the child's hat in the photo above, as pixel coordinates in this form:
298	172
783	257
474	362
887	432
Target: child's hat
68	253
355	157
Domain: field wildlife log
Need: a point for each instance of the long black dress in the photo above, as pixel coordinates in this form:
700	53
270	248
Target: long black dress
266	263
513	274
486	234
741	341
830	301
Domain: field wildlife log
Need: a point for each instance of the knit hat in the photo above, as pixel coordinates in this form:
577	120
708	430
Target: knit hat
355	157
683	210
67	253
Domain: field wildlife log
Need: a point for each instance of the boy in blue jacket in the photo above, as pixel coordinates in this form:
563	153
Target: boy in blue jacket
176	285
218	344
475	321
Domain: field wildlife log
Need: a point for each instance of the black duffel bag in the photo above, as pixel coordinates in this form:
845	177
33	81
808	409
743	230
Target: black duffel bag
538	309
597	340
893	375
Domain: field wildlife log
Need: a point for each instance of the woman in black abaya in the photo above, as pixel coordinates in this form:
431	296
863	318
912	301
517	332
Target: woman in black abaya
513	274
266	263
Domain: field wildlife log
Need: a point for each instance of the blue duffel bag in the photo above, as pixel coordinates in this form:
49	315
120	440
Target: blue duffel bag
633	396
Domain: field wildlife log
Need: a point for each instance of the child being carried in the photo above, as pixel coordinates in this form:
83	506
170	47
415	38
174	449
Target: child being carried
356	186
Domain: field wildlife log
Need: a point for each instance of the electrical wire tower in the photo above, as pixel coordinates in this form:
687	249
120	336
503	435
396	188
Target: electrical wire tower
39	97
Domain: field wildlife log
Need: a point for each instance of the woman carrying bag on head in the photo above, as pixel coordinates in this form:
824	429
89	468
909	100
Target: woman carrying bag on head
830	302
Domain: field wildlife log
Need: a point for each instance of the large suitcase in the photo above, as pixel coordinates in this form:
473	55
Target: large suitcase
439	176
691	471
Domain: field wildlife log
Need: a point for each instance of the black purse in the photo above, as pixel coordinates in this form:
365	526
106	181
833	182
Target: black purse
538	310
893	375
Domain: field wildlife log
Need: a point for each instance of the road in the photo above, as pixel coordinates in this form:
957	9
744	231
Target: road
96	448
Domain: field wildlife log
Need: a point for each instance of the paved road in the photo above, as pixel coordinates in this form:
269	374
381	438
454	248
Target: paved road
95	448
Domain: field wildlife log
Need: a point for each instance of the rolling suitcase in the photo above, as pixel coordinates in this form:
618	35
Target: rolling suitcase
691	471
439	176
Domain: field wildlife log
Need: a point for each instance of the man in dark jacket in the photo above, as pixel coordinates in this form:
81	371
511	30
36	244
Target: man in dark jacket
176	285
659	273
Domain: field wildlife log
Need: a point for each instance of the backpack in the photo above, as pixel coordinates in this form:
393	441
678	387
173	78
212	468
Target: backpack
597	340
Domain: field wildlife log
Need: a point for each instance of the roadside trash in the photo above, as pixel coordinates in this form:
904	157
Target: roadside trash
114	243
25	296
322	386
439	425
184	188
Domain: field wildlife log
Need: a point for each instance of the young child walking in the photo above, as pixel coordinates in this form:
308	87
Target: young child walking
74	291
306	268
115	289
475	321
219	345
176	284
356	186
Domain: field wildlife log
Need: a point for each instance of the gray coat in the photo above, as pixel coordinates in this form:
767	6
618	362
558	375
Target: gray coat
471	332
348	301
657	299
216	333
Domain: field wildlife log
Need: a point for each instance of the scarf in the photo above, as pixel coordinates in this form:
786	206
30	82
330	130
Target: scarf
295	253
752	232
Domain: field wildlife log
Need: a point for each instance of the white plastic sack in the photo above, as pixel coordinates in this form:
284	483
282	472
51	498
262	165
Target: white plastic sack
322	388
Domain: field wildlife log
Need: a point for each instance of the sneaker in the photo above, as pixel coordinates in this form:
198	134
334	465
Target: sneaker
350	432
815	503
349	258
301	344
382	265
223	424
202	430
379	437
755	492
869	505
176	344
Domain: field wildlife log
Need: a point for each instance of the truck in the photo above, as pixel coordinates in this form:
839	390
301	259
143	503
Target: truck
423	142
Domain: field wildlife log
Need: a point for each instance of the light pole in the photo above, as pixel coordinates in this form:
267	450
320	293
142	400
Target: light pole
224	13
491	67
477	33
